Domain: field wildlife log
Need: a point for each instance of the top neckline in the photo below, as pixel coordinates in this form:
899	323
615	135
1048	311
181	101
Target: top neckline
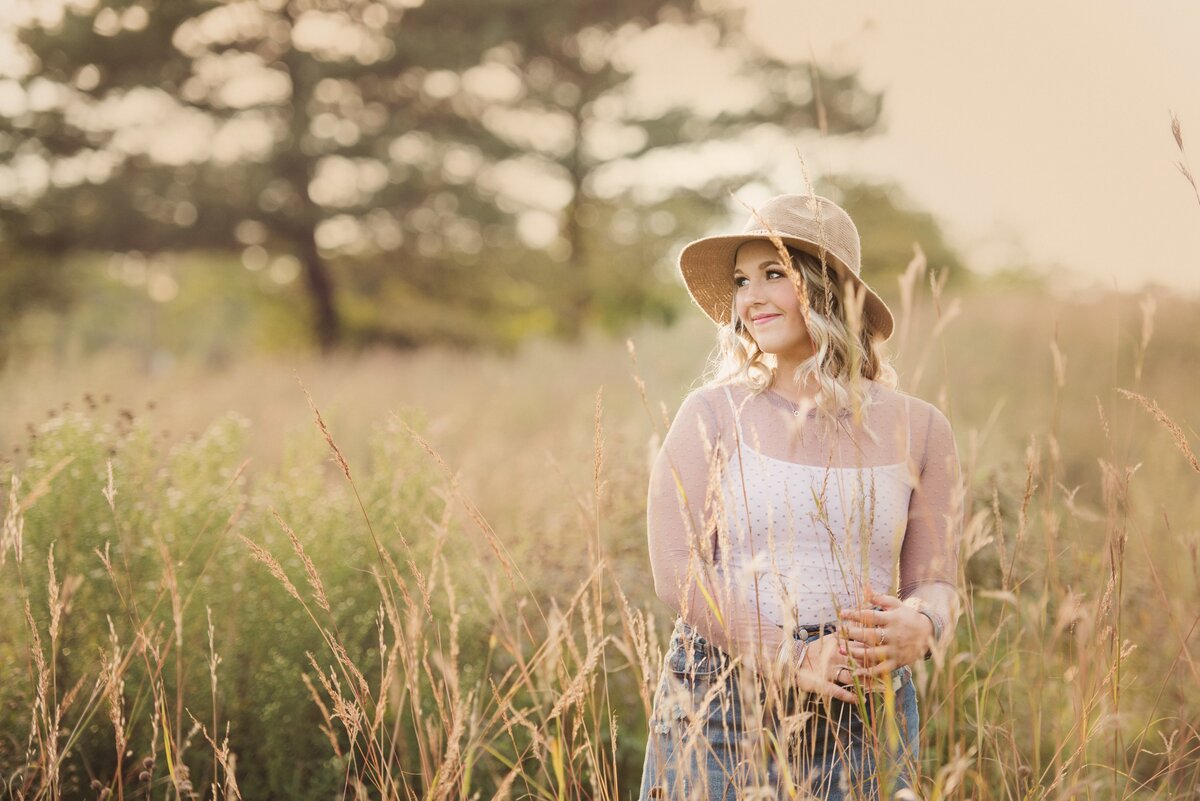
898	469
760	455
779	400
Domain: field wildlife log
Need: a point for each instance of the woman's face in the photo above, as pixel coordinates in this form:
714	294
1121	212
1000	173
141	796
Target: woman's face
766	302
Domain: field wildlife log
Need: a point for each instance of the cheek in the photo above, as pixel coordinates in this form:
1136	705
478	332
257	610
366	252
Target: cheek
784	296
739	305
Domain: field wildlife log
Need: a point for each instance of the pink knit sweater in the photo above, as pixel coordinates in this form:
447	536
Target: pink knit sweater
775	519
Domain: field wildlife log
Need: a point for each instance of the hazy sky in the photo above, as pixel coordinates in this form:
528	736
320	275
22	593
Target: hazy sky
1042	124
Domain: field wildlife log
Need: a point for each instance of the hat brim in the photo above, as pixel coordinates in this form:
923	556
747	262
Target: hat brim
707	269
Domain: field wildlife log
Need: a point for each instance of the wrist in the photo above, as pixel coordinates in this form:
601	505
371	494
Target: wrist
790	657
935	630
800	649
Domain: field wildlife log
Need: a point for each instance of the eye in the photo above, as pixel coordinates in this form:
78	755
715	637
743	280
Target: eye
738	279
776	272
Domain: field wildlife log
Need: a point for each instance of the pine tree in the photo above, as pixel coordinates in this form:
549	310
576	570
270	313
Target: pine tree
384	147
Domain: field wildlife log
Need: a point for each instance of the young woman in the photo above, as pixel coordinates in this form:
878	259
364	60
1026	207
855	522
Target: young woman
790	490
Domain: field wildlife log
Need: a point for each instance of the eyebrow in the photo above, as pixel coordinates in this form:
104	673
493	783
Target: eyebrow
761	265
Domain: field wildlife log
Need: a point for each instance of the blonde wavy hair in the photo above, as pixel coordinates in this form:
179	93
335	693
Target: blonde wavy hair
842	362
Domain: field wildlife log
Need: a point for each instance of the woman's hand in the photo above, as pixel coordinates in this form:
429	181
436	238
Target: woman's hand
881	640
822	668
826	669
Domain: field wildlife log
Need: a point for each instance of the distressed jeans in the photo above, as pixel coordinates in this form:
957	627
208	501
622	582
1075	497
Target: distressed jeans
718	733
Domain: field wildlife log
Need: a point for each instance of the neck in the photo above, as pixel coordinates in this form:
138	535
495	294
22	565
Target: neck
786	365
785	384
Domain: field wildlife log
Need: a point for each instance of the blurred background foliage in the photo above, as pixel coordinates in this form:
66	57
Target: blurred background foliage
202	178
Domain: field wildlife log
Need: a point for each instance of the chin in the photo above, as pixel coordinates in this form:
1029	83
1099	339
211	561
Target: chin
775	348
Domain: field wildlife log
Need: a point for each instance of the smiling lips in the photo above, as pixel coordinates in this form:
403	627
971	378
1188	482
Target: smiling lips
766	318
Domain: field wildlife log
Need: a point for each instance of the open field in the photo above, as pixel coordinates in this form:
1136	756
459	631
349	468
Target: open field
481	622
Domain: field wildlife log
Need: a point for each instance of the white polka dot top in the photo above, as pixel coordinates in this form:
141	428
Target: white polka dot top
805	535
763	515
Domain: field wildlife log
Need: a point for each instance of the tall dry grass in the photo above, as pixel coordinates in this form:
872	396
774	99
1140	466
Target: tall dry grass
1072	674
455	602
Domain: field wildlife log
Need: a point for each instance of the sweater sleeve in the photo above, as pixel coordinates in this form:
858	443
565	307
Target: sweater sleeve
929	552
682	512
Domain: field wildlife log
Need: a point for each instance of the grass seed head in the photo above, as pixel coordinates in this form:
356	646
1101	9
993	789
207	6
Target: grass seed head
276	569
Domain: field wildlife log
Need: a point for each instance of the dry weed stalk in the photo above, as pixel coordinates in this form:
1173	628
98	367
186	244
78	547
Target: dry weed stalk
267	558
14	524
310	570
485	528
1184	166
338	458
1172	427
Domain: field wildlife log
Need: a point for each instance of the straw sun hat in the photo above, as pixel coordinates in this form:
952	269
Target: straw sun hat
805	222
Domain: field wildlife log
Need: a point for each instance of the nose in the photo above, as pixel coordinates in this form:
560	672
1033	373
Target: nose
748	303
752	293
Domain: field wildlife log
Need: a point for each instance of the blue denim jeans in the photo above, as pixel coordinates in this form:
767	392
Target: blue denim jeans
718	732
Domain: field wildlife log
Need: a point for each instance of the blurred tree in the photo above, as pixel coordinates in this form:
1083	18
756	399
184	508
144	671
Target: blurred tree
390	146
27	281
607	144
889	223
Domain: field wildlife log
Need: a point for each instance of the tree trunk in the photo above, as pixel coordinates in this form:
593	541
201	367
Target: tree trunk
327	326
298	168
579	287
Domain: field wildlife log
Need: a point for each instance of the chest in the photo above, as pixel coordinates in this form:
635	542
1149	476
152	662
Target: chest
766	498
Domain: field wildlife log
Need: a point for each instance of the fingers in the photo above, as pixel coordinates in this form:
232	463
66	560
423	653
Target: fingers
853	684
886	601
820	681
826	667
837	689
859	615
876	670
868	635
867	654
840	692
823	667
867	617
833	690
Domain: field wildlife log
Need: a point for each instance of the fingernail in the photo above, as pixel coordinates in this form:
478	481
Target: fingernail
842	650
